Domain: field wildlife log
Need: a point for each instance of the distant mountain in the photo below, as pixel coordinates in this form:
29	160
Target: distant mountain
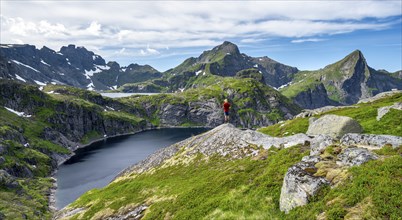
226	60
342	83
75	66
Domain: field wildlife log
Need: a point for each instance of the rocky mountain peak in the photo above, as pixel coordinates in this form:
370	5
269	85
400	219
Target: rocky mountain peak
227	47
81	58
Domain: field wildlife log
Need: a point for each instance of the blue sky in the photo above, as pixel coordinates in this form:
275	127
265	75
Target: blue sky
306	34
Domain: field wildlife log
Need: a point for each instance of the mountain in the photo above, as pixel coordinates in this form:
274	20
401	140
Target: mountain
226	60
342	83
74	66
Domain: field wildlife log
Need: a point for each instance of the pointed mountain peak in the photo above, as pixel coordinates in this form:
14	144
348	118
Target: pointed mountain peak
227	47
356	53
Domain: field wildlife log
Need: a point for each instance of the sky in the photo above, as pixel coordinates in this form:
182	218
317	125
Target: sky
305	34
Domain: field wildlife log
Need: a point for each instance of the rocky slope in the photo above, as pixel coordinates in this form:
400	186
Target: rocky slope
74	66
342	83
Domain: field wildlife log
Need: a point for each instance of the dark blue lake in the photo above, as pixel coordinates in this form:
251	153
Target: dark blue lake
96	165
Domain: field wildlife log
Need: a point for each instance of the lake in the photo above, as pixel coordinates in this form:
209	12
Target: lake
96	165
121	94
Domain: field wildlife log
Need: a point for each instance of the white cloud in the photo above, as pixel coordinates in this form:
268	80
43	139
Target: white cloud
94	28
307	40
149	51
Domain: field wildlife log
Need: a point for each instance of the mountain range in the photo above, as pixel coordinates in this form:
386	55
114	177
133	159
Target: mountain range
342	83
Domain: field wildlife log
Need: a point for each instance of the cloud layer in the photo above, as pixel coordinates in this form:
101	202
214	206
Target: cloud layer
147	28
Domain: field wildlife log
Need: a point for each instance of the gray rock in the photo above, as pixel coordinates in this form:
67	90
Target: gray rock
334	126
135	214
299	185
384	110
311	159
2	160
355	157
371	141
319	143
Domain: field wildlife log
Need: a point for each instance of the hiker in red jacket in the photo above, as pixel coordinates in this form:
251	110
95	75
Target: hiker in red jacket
226	107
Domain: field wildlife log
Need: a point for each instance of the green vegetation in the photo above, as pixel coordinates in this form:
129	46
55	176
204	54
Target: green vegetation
286	128
206	188
364	113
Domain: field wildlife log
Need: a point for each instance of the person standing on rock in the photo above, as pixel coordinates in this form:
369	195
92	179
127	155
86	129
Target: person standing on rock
226	107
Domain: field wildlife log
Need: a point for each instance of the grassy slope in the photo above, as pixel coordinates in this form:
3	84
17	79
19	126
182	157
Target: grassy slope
218	188
213	188
365	114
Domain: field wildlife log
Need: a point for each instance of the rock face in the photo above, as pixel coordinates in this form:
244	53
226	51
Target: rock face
371	141
334	126
74	66
314	98
299	185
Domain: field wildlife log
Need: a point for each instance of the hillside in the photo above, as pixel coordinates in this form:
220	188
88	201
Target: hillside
342	83
228	173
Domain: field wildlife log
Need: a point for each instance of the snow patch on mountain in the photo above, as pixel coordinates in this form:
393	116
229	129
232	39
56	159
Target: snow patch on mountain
21	114
20	78
29	67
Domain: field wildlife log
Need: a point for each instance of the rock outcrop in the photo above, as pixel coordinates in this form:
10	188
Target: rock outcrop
306	178
300	185
371	141
334	126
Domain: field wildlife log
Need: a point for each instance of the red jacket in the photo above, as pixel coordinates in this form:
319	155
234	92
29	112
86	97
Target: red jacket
226	106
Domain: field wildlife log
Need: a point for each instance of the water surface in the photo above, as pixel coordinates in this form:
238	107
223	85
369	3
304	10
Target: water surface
121	94
96	165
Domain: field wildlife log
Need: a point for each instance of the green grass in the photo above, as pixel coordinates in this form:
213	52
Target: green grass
212	188
286	128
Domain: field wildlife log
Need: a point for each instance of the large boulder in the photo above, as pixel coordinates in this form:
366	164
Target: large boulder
371	141
334	126
300	185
